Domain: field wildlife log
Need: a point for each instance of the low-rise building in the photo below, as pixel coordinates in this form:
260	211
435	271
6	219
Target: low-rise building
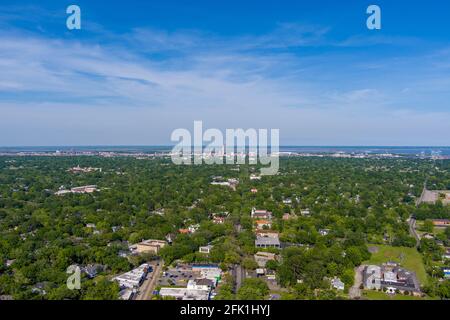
208	271
263	224
267	242
261	214
446	255
148	246
288	216
372	277
218	220
198	289
442	223
126	294
388	276
305	212
267	233
79	169
205	249
184	293
134	278
82	189
91	270
446	271
337	284
262	258
193	228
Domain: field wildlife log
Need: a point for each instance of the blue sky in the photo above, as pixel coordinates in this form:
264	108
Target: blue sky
137	70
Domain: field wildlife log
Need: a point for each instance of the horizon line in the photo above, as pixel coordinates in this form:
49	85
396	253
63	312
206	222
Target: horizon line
171	145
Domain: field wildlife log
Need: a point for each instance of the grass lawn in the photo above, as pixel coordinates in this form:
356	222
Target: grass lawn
409	258
378	295
438	230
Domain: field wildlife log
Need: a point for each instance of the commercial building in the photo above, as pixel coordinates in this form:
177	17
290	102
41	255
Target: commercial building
391	277
199	289
191	292
134	278
208	271
148	246
82	189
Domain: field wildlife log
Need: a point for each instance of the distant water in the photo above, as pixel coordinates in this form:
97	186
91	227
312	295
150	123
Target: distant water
425	150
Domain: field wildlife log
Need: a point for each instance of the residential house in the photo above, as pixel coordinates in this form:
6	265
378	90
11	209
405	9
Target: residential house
263	224
218	220
267	242
262	257
305	212
205	249
446	255
267	233
441	223
288	216
183	231
261	214
337	284
193	228
446	271
91	270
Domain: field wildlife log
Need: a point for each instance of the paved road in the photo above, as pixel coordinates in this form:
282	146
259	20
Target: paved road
355	291
412	230
146	290
239	274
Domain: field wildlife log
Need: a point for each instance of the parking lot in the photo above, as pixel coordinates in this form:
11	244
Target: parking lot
176	277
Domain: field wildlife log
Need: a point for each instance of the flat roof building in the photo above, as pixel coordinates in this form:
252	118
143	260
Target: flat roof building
149	246
267	242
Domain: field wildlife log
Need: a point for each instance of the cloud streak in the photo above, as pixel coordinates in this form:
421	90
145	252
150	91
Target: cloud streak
136	87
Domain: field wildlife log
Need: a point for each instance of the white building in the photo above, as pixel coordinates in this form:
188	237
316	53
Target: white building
372	279
337	284
133	279
205	249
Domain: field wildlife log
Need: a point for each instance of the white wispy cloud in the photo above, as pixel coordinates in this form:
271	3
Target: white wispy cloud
138	86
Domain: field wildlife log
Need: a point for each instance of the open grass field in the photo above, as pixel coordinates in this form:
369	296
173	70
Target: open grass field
378	295
408	258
